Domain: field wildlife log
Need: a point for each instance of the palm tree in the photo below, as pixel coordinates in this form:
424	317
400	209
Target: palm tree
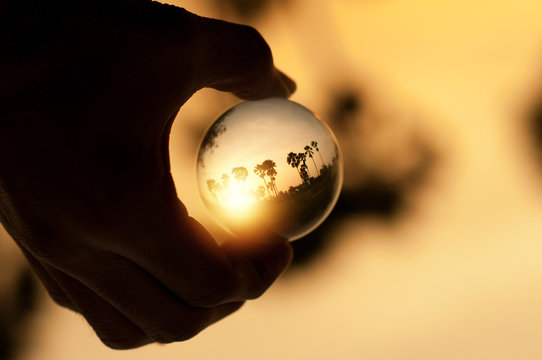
270	186
261	172
214	188
293	161
240	173
274	184
309	152
225	181
269	166
314	144
305	176
303	161
260	192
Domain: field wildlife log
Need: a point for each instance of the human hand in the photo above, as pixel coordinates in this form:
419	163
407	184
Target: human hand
88	94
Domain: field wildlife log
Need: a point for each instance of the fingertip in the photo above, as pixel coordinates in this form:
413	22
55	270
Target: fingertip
251	239
269	253
236	58
274	257
270	263
279	85
275	85
289	83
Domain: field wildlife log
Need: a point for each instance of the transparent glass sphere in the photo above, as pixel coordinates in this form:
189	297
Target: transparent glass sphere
269	164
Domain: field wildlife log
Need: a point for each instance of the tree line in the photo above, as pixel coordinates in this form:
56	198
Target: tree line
268	173
299	161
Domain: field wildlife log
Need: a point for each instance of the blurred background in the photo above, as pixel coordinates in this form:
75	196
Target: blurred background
434	250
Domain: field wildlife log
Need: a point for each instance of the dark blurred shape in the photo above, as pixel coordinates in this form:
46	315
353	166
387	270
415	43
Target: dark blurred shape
19	303
382	191
244	9
376	198
346	105
373	199
535	127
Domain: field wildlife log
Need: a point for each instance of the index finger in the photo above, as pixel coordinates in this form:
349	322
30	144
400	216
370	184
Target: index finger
236	58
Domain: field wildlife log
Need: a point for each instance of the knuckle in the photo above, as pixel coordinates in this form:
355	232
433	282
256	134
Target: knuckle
257	290
260	282
182	331
114	344
119	343
117	334
214	290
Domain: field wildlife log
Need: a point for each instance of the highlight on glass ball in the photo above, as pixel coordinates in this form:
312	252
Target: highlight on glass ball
269	164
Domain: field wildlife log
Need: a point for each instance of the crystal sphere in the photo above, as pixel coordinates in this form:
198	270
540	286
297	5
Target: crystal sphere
269	164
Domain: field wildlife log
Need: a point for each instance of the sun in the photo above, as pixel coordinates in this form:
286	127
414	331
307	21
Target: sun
237	201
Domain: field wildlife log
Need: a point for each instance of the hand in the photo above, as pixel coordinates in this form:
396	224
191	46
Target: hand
88	94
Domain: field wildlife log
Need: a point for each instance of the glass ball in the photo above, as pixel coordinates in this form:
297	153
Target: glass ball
269	164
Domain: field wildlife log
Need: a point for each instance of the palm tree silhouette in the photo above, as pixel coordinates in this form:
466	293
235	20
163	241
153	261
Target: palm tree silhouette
260	192
305	176
270	186
314	144
261	172
269	166
293	161
274	184
303	159
309	152
214	188
240	173
225	181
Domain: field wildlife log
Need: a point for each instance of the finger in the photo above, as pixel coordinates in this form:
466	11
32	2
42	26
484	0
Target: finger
110	325
221	55
183	256
177	251
260	259
161	315
288	82
235	58
55	291
256	259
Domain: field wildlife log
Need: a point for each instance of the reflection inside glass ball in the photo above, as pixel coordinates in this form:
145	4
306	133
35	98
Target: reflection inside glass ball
269	164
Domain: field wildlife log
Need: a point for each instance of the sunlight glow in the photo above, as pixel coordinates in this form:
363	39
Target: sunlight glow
237	201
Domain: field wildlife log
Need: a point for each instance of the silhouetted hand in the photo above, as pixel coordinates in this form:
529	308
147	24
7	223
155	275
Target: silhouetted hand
88	93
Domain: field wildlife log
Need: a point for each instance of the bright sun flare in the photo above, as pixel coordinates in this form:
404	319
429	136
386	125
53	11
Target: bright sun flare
238	201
